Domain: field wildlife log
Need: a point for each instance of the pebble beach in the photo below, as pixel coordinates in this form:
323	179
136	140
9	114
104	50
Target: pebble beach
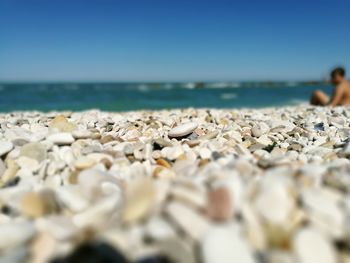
179	186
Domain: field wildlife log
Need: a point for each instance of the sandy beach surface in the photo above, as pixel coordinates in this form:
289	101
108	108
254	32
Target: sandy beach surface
193	185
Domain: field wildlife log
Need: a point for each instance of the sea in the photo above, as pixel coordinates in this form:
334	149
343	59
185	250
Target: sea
153	96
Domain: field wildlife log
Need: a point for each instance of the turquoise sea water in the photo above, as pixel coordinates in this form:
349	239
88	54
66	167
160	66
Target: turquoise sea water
134	96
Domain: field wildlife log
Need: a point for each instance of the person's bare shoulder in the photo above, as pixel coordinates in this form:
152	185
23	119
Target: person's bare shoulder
345	86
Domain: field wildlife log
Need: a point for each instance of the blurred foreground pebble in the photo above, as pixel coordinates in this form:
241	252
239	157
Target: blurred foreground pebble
269	185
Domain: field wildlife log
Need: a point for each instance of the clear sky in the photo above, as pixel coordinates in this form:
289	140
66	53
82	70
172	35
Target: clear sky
172	40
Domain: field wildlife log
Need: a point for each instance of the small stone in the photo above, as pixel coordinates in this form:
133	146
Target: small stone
2	168
15	234
182	130
164	163
62	124
39	204
176	250
5	147
188	219
199	132
106	162
10	172
205	153
28	164
84	163
34	150
81	134
43	248
209	135
61	138
224	244
311	246
158	229
162	172
191	197
106	139
220	205
160	143
90	181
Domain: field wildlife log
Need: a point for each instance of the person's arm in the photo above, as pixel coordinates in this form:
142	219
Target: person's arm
337	95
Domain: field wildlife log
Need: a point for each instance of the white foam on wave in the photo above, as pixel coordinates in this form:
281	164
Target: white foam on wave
297	102
228	96
222	85
143	88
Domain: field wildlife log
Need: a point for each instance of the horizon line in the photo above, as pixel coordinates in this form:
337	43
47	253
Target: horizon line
159	81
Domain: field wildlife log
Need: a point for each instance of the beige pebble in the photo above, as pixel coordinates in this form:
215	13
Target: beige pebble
62	124
139	200
220	204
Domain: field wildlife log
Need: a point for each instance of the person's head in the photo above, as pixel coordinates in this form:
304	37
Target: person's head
337	75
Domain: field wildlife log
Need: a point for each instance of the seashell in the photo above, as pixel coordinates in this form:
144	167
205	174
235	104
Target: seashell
259	129
172	153
182	130
160	143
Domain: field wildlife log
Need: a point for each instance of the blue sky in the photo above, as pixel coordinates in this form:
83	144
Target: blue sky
172	40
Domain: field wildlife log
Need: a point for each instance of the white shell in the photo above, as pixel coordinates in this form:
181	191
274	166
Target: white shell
183	129
5	147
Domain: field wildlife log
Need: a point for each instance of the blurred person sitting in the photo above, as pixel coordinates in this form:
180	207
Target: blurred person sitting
341	92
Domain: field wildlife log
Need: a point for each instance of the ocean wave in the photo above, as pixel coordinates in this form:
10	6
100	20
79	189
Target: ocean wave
228	96
71	87
143	88
189	85
42	87
297	102
223	85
